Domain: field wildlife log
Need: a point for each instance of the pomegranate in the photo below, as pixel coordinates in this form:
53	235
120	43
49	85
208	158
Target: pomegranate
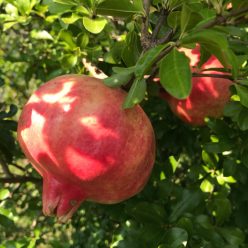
85	146
208	95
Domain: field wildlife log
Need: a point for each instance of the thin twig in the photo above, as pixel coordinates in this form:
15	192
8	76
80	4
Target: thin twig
212	75
20	180
223	18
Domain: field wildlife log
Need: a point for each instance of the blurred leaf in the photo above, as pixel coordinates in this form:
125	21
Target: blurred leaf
124	8
189	201
12	111
6	222
131	51
69	60
57	8
189	18
175	74
41	35
94	26
243	119
71	19
206	186
83	40
243	94
174	19
136	93
223	210
4	193
233	109
68	38
146	212
233	236
175	238
66	2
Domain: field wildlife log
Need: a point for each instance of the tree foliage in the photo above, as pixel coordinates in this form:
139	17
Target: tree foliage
197	193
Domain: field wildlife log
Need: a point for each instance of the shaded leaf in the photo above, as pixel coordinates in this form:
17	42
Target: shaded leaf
175	74
122	8
136	93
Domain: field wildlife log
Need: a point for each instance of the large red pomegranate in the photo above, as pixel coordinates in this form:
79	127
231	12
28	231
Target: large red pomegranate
85	146
208	96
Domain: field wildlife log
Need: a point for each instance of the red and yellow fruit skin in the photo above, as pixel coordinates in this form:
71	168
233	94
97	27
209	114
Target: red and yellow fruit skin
208	96
85	146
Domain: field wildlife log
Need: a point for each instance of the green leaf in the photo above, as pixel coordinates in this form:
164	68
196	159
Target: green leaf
127	70
206	186
176	237
131	51
83	40
66	2
243	119
190	200
243	94
41	35
71	19
216	43
94	26
206	37
4	193
57	8
124	8
67	38
146	212
174	19
233	109
69	61
233	235
218	147
117	80
189	18
146	61
223	209
175	74
23	6
6	222
136	93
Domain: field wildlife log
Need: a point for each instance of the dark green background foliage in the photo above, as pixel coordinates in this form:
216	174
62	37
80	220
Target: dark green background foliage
197	194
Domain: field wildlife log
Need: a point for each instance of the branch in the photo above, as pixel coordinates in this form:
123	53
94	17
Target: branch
20	180
159	24
145	39
212	75
223	18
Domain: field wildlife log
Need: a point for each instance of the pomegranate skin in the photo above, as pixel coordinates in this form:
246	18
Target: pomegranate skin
85	146
208	96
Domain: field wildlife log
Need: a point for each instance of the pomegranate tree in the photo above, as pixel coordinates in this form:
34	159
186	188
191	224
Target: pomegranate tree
85	146
208	95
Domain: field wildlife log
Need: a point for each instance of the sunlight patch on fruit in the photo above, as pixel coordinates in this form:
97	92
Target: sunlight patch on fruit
60	96
37	121
208	86
97	129
85	166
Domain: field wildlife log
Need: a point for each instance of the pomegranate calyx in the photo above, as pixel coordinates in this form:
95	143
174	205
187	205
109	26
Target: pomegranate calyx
61	199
